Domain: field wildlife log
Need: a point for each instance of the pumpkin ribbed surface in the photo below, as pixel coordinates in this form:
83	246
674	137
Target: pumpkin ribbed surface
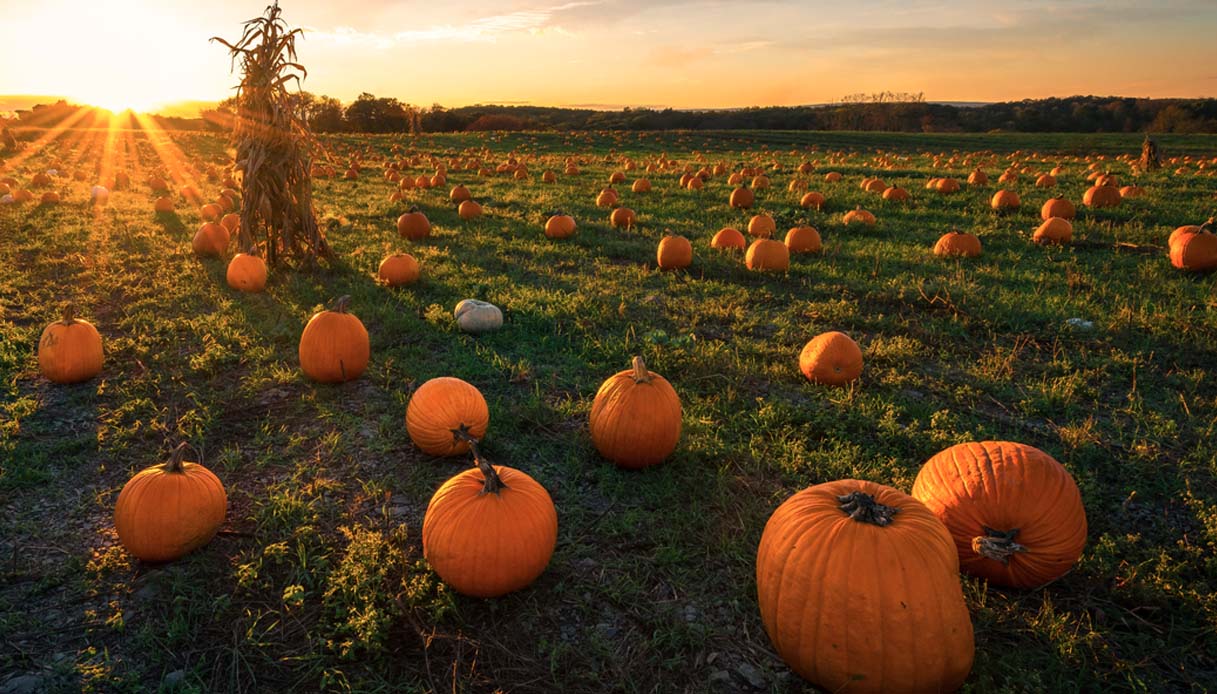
486	544
1014	512
70	351
636	417
440	406
166	512
868	602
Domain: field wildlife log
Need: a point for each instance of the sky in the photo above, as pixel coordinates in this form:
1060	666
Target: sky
612	53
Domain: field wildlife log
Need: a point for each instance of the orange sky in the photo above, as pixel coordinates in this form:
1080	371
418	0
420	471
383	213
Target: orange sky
611	53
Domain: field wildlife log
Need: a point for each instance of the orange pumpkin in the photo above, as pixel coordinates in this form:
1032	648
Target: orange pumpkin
211	239
622	218
1005	200
468	210
398	269
762	226
803	239
832	177
606	198
858	216
978	178
1195	251
1102	196
163	205
831	358
459	194
741	198
490	530
641	185
1058	207
167	511
767	254
334	346
896	194
210	212
231	222
636	417
413	225
674	252
858	588
1054	230
812	199
69	350
560	226
946	186
954	243
246	273
728	238
443	413
1014	512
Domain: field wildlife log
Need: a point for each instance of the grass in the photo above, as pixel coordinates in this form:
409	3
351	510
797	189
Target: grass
317	581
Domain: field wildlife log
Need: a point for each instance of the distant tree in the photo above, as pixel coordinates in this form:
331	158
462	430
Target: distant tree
369	114
498	121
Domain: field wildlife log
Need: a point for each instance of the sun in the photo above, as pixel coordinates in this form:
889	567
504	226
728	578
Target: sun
119	103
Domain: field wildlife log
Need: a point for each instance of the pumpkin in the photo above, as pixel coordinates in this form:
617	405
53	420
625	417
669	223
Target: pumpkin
1054	230
398	269
616	177
50	198
741	198
231	222
728	238
954	243
762	226
211	239
468	210
560	226
895	194
858	588
858	216
334	346
1179	232
812	199
831	358
413	225
767	254
695	183
832	177
803	239
606	198
490	530
459	194
1196	251
69	350
760	182
246	273
947	186
874	185
1005	200
1058	207
1102	196
473	316
978	178
641	185
98	195
169	510
443	412
1014	512
674	252
552	176
40	180
1129	192
636	417
1045	181
210	212
622	217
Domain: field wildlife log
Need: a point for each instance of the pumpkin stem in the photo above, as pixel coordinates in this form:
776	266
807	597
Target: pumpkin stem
641	375
997	545
69	315
176	458
863	508
341	305
493	483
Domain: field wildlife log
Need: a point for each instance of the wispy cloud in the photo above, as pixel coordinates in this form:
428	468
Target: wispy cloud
532	21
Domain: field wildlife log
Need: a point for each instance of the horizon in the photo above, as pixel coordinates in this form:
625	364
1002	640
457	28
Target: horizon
612	54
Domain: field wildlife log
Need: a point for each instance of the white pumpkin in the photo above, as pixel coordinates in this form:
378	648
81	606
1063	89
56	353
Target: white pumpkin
475	316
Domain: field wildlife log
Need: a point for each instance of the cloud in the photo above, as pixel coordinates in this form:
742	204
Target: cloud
536	21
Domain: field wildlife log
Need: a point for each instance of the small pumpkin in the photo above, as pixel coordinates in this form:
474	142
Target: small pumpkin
211	239
622	218
334	347
741	198
803	239
947	186
674	252
1054	230
1100	196
169	510
69	350
413	225
1014	512
1058	207
762	226
767	254
1045	181
858	588
831	358
490	530
442	412
459	194
832	177
560	226
641	185
896	194
978	178
398	270
728	238
606	198
473	316
1005	201
246	273
954	243
858	216
468	210
636	417
812	199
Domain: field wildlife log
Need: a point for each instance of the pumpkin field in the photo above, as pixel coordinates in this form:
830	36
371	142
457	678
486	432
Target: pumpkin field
621	553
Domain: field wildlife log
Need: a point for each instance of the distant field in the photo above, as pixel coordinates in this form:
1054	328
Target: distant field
317	580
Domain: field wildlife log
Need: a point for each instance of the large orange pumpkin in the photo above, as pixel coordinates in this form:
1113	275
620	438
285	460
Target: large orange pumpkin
246	273
831	358
169	510
803	239
812	199
443	412
767	254
622	218
211	239
413	225
1102	196
398	269
674	252
728	238
490	531
636	417
1054	230
741	198
1014	512
560	226
1005	200
69	350
1058	207
468	210
858	216
1195	251
858	587
954	243
762	226
334	346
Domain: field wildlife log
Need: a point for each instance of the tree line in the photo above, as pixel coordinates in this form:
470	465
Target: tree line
905	113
